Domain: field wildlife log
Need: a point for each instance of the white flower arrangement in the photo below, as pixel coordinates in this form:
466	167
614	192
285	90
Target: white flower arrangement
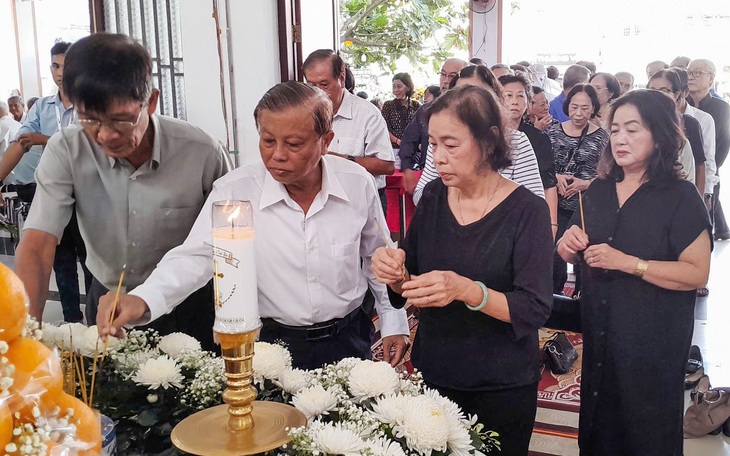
366	408
162	371
174	344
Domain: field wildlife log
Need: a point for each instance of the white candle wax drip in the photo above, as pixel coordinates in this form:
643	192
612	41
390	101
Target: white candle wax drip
237	308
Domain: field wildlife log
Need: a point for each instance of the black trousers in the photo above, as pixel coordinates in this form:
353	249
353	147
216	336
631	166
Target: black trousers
353	341
510	412
560	267
383	200
717	215
194	316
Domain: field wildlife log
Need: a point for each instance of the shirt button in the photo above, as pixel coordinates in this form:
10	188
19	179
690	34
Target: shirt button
595	394
134	212
167	212
133	178
603	301
599	364
132	270
602	333
134	244
610	238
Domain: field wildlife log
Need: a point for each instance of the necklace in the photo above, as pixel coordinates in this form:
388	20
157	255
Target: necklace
489	202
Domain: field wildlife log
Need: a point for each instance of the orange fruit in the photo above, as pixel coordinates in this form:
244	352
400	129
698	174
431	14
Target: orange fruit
6	425
87	422
37	371
14	302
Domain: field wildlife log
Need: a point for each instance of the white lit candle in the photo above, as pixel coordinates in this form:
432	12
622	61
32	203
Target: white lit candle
236	300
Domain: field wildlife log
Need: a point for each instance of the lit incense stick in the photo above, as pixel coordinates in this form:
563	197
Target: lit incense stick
106	341
582	217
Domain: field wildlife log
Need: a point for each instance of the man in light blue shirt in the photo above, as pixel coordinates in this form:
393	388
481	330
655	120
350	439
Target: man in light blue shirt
47	116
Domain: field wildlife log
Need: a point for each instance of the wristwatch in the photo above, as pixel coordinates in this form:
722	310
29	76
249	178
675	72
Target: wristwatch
351	157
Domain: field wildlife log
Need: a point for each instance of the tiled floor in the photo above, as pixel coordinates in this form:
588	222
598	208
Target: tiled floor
712	335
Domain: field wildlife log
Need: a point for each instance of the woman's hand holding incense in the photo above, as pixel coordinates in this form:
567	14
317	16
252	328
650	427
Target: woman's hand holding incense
388	265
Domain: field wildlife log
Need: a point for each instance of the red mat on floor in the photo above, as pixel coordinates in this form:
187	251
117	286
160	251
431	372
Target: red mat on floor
562	391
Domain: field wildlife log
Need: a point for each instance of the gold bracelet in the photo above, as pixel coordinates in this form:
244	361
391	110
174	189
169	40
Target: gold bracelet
641	268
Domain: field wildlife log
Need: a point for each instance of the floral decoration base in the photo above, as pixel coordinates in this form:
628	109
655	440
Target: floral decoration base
206	432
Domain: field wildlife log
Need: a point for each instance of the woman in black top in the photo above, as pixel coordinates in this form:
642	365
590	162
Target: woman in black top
644	252
476	260
577	145
399	111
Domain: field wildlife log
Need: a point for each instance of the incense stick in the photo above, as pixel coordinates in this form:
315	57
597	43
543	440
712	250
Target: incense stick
582	217
106	341
388	241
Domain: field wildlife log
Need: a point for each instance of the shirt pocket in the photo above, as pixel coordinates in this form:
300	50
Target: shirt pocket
349	146
346	264
172	226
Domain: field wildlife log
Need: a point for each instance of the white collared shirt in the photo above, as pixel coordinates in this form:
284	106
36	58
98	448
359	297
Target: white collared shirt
307	265
707	123
8	130
361	131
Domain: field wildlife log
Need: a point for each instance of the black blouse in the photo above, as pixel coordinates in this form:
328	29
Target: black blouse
510	251
636	335
543	152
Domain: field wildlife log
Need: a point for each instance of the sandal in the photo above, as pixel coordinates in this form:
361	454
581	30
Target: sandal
702	292
692	380
695	360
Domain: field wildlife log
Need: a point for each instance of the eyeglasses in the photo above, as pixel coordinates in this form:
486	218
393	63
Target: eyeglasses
120	126
698	73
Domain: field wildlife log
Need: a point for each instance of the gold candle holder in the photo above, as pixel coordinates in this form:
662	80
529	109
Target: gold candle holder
237	352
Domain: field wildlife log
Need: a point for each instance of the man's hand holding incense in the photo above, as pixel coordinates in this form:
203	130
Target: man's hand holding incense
128	310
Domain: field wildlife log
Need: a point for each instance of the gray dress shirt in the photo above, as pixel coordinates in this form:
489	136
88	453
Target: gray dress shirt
126	216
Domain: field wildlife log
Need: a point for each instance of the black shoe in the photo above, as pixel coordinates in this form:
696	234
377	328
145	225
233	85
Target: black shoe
722	236
691	380
695	359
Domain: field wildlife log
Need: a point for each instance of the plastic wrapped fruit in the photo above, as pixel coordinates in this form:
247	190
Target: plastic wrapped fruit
14	303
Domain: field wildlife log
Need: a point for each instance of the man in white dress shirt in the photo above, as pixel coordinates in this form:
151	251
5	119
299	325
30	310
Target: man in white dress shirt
361	134
316	216
8	127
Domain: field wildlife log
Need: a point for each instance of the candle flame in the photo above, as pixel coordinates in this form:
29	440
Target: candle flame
234	215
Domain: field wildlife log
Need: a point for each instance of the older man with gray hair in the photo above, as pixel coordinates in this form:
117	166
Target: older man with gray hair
701	78
574	75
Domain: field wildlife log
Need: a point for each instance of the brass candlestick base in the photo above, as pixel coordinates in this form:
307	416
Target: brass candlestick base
243	426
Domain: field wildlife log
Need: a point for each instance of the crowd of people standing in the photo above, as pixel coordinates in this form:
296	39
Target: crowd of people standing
511	172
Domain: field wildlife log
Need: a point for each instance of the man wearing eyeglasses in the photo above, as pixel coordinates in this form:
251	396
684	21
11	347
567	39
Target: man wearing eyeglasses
701	78
414	142
49	115
137	180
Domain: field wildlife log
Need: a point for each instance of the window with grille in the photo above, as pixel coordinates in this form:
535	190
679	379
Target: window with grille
156	24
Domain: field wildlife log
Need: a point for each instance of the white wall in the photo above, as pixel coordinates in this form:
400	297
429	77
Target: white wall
255	61
485	35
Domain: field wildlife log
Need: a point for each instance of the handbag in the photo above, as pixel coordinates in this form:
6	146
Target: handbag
559	353
708	411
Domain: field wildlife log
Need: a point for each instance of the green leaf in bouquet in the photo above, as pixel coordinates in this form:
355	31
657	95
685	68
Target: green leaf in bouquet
148	418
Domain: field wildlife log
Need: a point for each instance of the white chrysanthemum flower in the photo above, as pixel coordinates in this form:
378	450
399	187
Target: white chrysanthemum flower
51	335
372	379
459	440
159	372
71	336
127	363
293	381
348	363
270	360
389	409
91	345
315	401
335	439
424	425
174	343
385	447
446	404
